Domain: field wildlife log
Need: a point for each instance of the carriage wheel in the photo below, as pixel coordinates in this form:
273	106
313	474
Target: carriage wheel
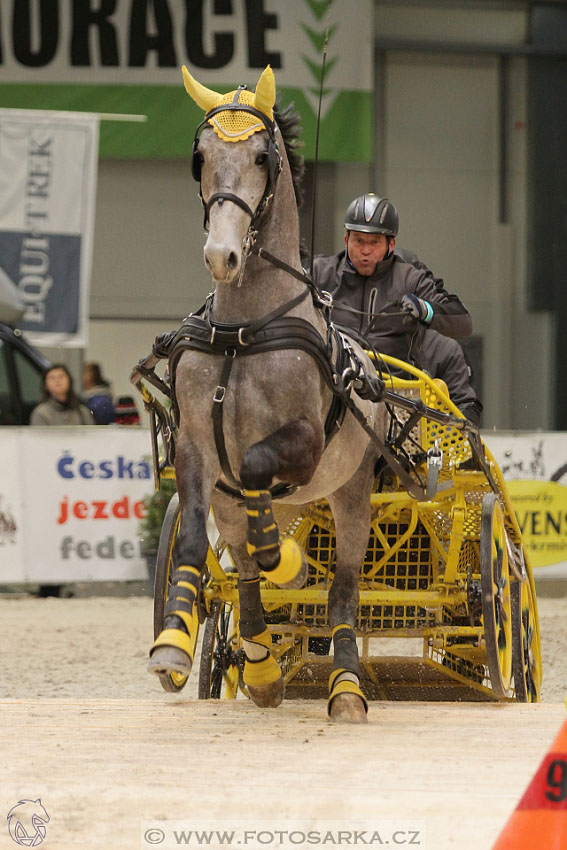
495	586
221	658
171	682
526	657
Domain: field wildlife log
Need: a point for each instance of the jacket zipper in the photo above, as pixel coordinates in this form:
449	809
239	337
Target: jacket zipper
371	305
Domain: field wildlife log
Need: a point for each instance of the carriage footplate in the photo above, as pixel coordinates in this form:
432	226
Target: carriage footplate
174	647
283	562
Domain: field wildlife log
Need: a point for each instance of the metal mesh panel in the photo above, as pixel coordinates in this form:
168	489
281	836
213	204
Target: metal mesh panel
408	568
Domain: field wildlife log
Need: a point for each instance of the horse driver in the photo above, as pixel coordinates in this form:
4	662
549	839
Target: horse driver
370	277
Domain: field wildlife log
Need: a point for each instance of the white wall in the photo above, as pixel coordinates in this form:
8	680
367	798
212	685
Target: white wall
148	268
438	142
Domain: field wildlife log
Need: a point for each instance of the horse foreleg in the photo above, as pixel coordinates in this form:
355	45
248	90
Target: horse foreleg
291	454
351	511
262	675
172	651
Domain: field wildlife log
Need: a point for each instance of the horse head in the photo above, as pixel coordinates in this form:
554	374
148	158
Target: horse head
237	161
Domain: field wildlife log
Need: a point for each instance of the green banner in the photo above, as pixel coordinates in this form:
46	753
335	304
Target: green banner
345	134
125	56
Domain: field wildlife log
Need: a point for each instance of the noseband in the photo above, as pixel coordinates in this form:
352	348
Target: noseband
274	163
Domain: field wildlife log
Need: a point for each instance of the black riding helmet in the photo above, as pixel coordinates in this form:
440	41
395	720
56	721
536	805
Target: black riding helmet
372	214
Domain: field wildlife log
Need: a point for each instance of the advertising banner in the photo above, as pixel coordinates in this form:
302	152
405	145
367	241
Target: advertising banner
11	509
535	468
75	498
71	501
126	56
48	169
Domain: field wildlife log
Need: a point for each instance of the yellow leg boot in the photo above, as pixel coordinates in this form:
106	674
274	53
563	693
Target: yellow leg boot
174	648
284	564
291	570
262	675
347	703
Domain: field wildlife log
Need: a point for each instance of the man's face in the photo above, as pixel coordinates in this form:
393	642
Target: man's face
366	249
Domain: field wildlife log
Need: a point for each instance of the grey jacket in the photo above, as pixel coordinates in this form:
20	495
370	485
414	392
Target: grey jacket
52	412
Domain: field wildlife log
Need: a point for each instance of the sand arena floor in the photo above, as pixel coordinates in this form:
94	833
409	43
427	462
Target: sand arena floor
90	733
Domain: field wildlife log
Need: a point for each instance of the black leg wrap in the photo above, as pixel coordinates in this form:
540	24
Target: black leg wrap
181	597
263	534
251	612
344	681
345	650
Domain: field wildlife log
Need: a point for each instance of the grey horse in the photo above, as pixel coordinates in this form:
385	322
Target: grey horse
274	409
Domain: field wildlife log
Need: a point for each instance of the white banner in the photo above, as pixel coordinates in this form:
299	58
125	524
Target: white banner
72	499
125	43
535	468
11	508
48	170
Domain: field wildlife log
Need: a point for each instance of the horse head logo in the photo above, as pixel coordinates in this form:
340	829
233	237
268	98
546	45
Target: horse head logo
26	823
233	124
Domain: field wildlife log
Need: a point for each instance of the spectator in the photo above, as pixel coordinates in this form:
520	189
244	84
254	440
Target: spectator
59	404
97	394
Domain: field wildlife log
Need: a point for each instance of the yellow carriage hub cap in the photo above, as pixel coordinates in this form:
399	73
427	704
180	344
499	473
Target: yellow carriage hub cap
235	125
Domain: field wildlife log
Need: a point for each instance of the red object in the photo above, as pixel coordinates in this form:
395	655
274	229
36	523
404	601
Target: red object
540	818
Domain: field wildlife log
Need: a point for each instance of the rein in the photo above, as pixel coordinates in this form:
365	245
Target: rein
273	332
276	331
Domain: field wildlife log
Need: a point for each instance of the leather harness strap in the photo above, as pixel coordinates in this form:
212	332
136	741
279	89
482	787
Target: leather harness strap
271	333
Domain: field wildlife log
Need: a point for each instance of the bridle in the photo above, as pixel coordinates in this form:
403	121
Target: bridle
275	164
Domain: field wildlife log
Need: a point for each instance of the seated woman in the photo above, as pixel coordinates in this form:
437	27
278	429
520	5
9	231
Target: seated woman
60	405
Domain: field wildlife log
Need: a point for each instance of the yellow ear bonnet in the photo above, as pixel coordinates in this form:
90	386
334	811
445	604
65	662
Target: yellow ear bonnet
235	125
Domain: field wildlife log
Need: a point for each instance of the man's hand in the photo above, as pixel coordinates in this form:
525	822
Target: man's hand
417	307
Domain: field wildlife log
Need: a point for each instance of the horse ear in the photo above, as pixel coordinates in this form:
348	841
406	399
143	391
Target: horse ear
265	95
203	97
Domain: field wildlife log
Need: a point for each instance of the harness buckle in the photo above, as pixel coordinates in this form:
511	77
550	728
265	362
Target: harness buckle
326	298
219	394
240	340
213	331
248	242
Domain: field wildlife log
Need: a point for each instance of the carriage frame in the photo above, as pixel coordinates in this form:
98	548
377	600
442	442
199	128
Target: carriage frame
450	569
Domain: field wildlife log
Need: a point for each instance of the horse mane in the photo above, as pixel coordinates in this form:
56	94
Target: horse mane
289	123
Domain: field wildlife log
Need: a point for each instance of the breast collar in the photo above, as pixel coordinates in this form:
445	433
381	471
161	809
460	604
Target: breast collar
276	331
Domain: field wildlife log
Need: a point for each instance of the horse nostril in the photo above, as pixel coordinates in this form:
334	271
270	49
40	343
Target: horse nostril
232	260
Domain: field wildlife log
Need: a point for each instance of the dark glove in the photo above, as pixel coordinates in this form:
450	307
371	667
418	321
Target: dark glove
162	344
417	307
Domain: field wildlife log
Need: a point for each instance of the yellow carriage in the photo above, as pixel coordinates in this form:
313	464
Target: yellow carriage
449	569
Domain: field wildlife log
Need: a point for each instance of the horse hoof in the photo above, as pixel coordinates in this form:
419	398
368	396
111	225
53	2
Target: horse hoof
169	659
347	708
267	696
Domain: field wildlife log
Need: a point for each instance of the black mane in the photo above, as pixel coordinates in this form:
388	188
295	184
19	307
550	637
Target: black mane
289	123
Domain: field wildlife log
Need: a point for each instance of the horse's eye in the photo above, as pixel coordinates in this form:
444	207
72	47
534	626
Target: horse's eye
261	158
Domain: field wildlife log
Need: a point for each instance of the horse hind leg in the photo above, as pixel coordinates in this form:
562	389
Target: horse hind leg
291	453
172	651
351	511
